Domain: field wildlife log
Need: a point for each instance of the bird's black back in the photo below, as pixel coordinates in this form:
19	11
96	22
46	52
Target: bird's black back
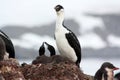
98	75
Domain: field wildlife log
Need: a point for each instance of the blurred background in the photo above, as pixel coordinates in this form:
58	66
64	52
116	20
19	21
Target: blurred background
95	22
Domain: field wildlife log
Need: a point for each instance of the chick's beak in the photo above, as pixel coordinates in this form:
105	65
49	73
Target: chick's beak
115	68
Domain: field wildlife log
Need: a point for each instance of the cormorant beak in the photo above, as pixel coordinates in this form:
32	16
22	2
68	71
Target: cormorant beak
115	68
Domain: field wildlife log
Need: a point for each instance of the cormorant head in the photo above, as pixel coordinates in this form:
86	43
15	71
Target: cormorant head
59	9
108	66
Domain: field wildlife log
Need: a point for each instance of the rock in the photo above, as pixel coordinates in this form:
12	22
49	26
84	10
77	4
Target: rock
42	59
55	68
42	68
10	70
53	59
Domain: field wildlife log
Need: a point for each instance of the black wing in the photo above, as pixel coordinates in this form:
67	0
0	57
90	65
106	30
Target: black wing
42	50
8	44
105	75
2	49
98	75
51	49
3	34
74	43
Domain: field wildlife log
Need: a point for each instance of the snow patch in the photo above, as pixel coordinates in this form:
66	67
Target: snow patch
88	23
91	40
114	41
31	40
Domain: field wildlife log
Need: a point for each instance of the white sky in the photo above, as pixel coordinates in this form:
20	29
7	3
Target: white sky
35	12
38	12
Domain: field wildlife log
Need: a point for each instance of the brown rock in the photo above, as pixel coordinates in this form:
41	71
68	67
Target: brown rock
42	59
53	59
10	70
45	68
56	68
